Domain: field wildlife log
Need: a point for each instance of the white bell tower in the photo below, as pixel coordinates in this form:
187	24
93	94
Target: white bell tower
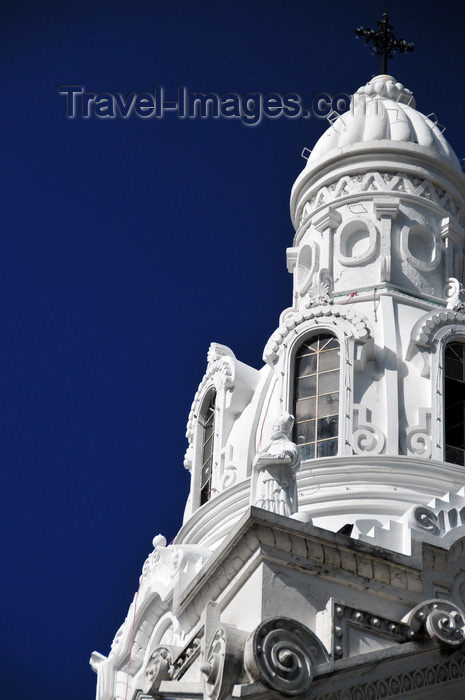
322	550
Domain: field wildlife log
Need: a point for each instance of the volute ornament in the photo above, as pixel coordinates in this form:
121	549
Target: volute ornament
281	654
222	662
441	620
158	669
455	294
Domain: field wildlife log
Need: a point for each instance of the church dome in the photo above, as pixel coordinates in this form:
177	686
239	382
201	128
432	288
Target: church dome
383	110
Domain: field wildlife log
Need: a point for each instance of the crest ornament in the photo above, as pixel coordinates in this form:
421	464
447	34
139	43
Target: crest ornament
321	289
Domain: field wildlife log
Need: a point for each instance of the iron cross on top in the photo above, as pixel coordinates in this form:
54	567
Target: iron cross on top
384	41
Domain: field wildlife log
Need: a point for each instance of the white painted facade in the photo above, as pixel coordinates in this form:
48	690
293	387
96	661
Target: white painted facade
263	589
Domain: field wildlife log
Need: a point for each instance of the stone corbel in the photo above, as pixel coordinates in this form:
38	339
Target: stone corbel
329	218
291	258
386	207
364	352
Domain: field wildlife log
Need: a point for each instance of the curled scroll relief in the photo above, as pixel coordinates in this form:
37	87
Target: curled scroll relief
441	620
222	662
418	437
455	294
367	437
281	653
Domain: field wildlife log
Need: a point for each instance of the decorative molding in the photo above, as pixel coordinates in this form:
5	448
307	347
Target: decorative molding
308	262
222	662
159	668
399	183
344	616
281	653
449	229
427	237
386	208
354	325
441	515
367	438
164	563
454	292
420	679
321	289
423	518
349	227
439	619
220	372
229	477
425	329
435	520
291	258
187	656
329	218
418	437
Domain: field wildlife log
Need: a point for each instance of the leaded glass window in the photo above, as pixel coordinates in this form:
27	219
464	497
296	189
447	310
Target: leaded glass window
316	397
454	402
208	427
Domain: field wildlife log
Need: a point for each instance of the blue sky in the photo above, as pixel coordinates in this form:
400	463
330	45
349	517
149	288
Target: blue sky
126	247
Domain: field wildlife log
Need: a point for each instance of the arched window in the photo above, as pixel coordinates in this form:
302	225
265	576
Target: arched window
316	396
207	421
454	402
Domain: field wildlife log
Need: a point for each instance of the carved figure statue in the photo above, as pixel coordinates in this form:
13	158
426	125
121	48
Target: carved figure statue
273	471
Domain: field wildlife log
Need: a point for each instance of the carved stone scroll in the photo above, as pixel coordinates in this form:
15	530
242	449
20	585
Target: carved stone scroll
419	436
281	654
158	669
442	621
367	437
455	294
222	662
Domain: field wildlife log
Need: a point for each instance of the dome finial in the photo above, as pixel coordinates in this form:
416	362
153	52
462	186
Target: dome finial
384	41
